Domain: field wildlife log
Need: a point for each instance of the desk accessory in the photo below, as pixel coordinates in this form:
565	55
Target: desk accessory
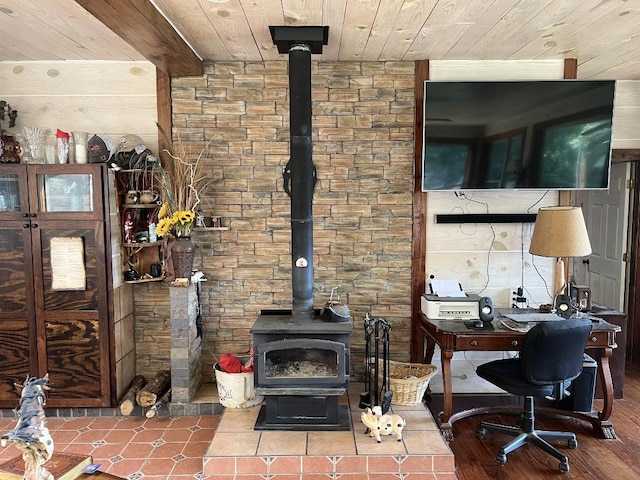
563	305
487	312
581	297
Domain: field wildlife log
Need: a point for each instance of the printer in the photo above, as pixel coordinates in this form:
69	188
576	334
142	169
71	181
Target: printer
436	307
448	301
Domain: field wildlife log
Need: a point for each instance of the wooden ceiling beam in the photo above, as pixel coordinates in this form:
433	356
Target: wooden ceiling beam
143	27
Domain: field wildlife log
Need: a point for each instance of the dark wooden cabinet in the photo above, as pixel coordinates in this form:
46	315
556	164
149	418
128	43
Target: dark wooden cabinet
55	283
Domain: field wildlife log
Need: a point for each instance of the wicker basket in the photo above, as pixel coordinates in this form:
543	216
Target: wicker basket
408	381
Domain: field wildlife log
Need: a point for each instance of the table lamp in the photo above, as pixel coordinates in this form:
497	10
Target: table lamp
560	232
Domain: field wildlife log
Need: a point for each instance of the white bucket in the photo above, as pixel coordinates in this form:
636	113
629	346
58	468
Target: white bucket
236	390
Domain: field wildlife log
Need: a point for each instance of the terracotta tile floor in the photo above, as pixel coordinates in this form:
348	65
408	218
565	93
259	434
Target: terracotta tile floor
238	452
160	448
226	447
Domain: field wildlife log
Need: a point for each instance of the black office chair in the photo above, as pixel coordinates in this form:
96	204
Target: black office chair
551	357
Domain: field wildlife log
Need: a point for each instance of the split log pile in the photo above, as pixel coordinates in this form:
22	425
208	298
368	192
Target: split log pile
129	399
153	394
153	410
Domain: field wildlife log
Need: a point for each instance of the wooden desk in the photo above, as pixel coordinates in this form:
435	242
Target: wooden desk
453	336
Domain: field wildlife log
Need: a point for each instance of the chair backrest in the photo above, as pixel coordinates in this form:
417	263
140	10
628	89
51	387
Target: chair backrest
553	352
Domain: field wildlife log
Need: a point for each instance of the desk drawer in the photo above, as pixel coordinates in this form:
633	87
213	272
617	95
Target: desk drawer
600	339
478	342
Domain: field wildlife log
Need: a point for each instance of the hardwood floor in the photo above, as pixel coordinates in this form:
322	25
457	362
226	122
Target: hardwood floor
594	459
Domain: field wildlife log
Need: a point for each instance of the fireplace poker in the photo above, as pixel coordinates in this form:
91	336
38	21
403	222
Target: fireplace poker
365	397
387	393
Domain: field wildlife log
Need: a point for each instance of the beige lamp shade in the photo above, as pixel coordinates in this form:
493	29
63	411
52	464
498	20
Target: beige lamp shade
560	232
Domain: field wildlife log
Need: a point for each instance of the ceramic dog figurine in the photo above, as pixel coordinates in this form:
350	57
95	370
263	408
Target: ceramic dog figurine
379	425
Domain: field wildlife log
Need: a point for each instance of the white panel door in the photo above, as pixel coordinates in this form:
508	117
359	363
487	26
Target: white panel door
606	214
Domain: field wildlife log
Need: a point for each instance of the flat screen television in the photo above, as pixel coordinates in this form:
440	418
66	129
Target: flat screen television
545	134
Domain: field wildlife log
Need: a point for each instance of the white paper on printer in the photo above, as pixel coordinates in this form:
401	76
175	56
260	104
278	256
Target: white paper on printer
447	288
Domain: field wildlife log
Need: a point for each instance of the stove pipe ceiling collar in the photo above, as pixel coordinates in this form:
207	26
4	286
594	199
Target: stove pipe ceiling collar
284	37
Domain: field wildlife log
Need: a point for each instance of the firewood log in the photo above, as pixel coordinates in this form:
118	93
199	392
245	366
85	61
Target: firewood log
155	389
128	401
154	408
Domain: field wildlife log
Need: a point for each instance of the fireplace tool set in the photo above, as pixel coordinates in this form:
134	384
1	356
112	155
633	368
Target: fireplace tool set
376	376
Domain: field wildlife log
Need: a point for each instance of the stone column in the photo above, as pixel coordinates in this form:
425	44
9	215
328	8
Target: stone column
186	345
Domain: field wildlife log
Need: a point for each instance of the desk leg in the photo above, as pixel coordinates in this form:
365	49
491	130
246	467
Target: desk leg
429	347
445	427
604	372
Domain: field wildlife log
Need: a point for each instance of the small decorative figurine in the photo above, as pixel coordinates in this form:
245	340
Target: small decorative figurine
30	434
128	228
379	425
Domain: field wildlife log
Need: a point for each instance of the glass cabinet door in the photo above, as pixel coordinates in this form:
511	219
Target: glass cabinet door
65	192
9	193
13	191
62	192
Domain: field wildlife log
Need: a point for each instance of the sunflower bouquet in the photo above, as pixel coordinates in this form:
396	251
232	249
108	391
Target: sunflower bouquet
178	224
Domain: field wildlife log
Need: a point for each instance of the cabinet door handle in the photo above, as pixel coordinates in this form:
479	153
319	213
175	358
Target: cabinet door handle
25	215
514	343
34	225
33	215
474	343
26	225
594	339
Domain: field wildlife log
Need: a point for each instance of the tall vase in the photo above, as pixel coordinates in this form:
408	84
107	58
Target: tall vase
37	140
80	148
182	254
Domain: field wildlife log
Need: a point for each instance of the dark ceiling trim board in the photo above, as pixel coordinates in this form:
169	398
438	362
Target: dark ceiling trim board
621	155
143	27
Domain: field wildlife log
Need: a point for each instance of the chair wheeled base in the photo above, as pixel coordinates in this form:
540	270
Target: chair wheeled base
525	432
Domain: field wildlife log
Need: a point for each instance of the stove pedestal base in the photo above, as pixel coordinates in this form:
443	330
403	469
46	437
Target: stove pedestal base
291	412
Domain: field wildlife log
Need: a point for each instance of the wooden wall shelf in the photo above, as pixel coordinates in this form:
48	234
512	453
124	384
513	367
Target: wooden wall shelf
146	280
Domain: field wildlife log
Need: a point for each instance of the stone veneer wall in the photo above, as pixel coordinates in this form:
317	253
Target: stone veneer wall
152	328
363	128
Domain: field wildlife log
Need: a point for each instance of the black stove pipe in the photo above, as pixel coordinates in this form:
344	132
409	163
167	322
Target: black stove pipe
302	179
300	173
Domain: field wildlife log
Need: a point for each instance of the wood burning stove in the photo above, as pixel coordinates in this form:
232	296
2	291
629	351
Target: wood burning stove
301	362
302	368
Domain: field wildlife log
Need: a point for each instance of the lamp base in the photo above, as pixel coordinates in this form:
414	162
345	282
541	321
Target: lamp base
559	282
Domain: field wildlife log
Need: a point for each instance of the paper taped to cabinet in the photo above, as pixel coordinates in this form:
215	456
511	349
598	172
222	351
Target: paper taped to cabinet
67	264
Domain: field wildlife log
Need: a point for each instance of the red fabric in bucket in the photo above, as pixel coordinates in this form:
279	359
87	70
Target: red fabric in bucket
229	363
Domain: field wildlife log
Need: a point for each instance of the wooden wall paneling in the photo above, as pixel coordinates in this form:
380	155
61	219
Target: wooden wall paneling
93	114
108	98
52	79
626	115
496	69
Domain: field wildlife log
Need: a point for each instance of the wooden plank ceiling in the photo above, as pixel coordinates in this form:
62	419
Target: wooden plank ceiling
603	35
